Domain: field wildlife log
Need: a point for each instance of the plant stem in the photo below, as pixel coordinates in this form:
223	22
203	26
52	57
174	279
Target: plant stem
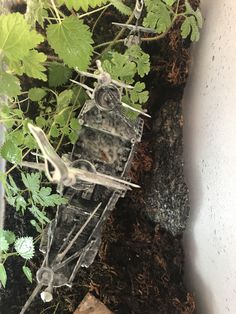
56	11
94	11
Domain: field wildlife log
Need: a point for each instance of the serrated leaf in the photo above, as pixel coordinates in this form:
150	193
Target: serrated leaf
121	7
11	152
16	38
58	74
72	41
54	131
4	246
36	94
25	247
190	26
3	275
158	16
81	4
20	204
28	273
199	18
9	85
31	181
33	65
64	98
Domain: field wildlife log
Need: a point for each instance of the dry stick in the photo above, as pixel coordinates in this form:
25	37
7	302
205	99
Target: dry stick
62	255
31	298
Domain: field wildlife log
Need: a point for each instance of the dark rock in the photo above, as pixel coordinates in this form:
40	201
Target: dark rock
166	195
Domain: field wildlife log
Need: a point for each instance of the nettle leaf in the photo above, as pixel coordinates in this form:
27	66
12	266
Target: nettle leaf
81	4
121	7
10	85
25	247
28	273
36	94
72	41
16	37
158	16
3	275
11	152
33	65
58	74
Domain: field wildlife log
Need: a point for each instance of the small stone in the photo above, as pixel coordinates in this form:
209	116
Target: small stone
91	305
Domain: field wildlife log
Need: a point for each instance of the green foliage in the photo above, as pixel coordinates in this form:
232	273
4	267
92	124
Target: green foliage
26	270
72	41
10	85
161	17
3	275
81	4
121	7
11	152
36	94
38	197
158	15
23	246
59	74
193	21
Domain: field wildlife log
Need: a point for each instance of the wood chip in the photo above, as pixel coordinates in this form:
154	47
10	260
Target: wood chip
91	305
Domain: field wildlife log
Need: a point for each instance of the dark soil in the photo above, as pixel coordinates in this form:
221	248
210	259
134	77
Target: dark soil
139	267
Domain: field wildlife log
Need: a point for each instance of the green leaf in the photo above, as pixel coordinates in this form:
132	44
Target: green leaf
36	225
46	199
74	124
10	85
16	38
73	137
138	94
36	94
3	275
169	2
64	98
36	12
120	67
54	131
33	65
72	41
142	59
121	7
28	273
9	236
31	181
158	16
81	4
25	247
11	152
58	74
4	246
185	28
190	26
39	215
20	204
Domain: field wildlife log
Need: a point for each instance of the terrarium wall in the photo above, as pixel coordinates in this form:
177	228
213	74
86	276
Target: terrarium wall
210	161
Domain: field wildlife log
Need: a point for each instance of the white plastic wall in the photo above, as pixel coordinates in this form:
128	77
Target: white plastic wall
210	161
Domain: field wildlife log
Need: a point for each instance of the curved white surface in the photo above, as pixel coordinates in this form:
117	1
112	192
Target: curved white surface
210	161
